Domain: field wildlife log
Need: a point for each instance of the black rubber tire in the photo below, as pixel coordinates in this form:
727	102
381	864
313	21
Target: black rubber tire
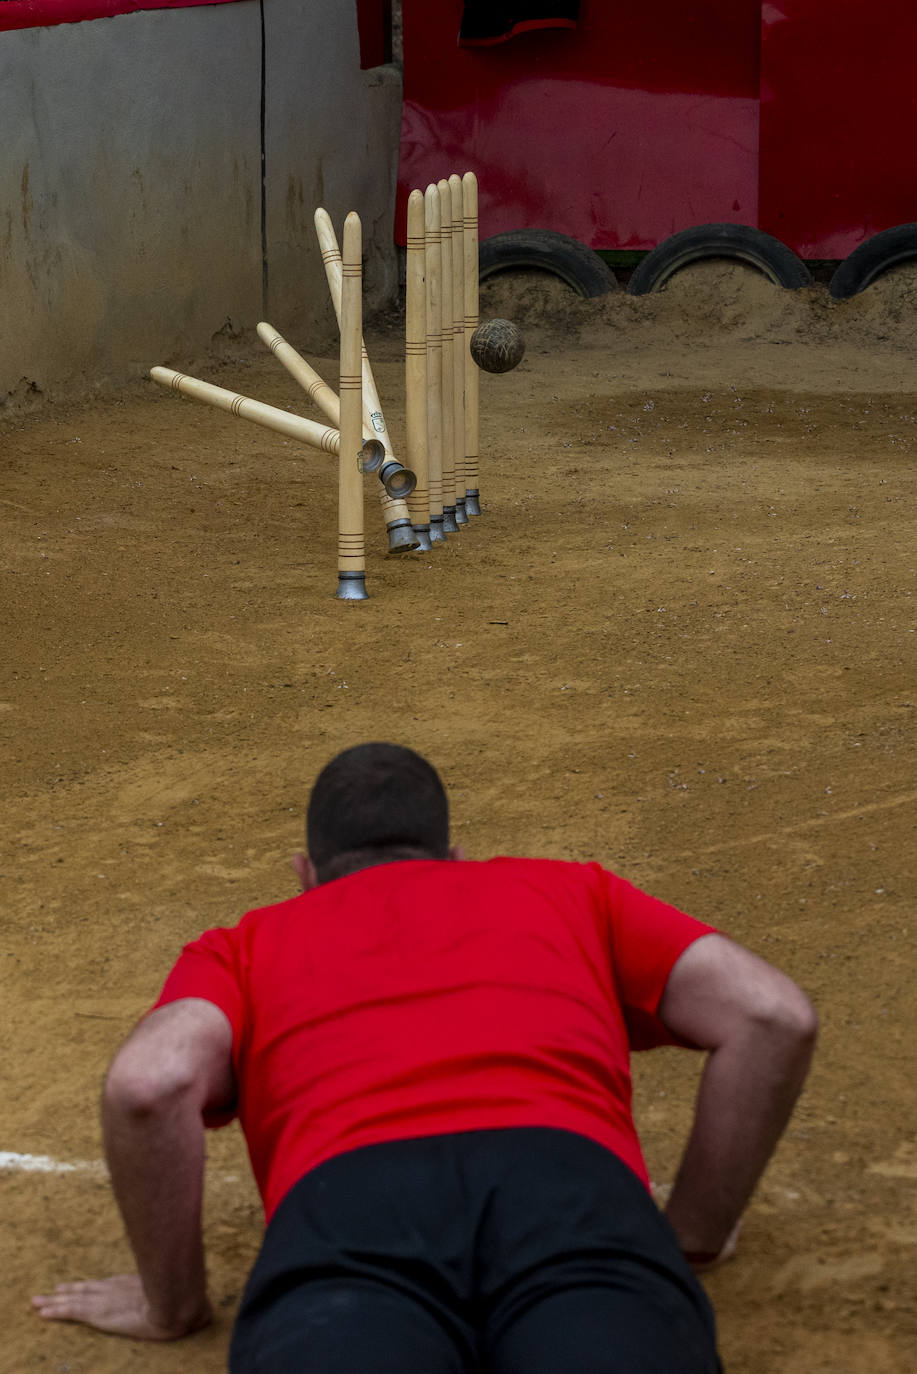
565	257
739	241
870	259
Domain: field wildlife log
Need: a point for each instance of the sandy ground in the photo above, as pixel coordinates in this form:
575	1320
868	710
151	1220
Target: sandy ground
682	639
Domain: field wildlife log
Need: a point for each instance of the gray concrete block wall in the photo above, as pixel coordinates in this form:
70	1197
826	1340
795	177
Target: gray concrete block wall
332	135
130	184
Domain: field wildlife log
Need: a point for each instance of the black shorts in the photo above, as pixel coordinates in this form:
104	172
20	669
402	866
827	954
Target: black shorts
524	1251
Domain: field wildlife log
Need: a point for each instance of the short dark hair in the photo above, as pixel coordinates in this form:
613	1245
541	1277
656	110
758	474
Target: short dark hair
375	803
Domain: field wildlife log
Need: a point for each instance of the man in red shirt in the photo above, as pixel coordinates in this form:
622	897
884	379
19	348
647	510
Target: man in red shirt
429	1059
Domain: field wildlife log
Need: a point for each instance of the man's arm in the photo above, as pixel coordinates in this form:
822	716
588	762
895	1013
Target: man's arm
177	1063
760	1029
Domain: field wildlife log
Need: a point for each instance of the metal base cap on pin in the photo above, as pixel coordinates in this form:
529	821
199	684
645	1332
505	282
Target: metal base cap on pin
398	480
352	587
401	537
437	533
461	517
372	455
450	525
423	537
472	501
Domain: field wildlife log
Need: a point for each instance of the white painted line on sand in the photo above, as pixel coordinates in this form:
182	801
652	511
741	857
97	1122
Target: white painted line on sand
44	1164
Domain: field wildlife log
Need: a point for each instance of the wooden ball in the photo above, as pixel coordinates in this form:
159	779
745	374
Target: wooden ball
497	345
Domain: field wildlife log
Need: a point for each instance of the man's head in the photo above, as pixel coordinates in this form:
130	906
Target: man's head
372	804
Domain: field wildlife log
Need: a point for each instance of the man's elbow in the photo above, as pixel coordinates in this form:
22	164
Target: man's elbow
787	1018
138	1089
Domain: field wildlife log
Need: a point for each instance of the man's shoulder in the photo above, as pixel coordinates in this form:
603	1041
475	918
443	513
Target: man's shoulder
545	875
554	880
559	870
273	916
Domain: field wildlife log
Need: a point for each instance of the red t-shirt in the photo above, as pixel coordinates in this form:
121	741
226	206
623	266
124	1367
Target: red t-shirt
418	998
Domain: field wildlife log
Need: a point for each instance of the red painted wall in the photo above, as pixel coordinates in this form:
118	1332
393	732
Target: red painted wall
838	122
34	14
619	132
374	24
797	117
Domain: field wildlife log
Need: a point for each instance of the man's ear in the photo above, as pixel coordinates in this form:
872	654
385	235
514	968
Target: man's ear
304	869
457	853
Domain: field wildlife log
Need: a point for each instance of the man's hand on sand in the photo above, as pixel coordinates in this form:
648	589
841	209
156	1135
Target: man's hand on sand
117	1305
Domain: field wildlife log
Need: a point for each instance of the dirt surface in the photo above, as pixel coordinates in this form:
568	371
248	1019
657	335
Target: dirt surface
681	639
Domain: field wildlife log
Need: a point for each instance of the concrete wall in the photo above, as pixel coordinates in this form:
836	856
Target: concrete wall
130	184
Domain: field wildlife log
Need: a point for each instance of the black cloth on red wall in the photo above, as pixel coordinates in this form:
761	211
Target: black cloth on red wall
489	21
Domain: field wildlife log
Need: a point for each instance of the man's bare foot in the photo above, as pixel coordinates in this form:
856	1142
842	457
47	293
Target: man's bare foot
702	1264
117	1305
